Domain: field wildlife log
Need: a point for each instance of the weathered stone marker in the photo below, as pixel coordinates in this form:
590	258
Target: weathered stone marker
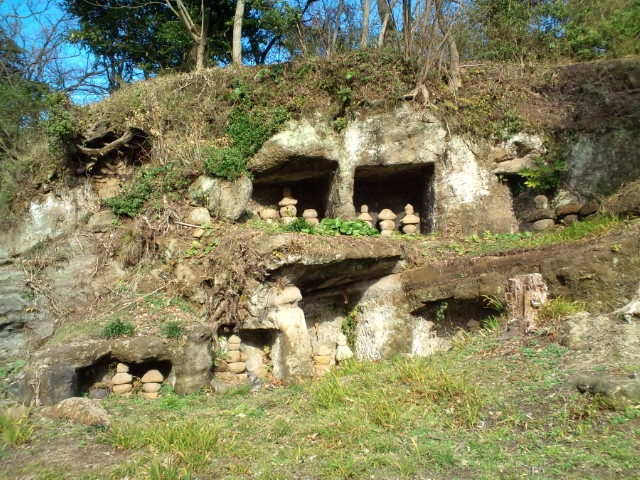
525	295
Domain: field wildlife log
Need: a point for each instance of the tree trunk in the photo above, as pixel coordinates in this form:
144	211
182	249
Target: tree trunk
525	295
336	27
236	54
407	29
455	81
364	37
201	50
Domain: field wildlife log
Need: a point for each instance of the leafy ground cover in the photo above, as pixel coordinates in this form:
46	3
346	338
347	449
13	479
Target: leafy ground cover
485	409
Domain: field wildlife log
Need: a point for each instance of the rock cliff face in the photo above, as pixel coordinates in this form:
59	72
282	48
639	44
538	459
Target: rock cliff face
385	161
392	297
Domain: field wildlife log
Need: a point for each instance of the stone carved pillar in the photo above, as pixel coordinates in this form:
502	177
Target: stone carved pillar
525	295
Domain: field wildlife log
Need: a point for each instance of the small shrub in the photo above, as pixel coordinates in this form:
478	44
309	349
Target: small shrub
299	225
15	432
336	226
171	329
225	162
546	176
558	308
117	328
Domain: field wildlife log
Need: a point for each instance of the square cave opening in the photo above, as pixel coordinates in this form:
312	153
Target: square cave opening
308	177
105	367
451	314
393	186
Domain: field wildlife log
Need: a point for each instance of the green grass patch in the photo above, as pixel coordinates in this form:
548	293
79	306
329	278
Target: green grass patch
484	409
489	243
117	327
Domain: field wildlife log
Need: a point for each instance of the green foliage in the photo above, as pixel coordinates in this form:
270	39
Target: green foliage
60	123
15	432
336	226
249	126
559	308
116	327
12	368
440	315
494	303
594	29
349	325
127	36
225	162
149	182
299	225
546	176
171	329
189	443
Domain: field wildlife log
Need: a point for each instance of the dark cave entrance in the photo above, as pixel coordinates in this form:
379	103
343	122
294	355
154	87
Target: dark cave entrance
308	177
393	186
450	314
103	369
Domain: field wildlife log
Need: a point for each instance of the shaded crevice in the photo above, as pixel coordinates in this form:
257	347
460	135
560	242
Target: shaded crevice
450	314
393	187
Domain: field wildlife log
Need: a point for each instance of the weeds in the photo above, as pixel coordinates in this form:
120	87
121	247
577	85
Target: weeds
171	329
15	432
558	308
117	328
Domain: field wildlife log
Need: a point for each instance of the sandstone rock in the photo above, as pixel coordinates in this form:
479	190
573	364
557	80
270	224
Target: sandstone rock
323	350
237	367
571	208
101	222
386	214
321	360
540	214
218	386
124	388
309	213
198	216
626	201
387	225
150	395
122	368
223	198
365	216
286	296
234	339
291	353
25	318
98	393
233	356
233	347
410	229
287	199
570	219
621	392
473	325
121	378
57	367
542	225
269	214
288	211
151	387
541	202
589	208
386	233
152	376
79	410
